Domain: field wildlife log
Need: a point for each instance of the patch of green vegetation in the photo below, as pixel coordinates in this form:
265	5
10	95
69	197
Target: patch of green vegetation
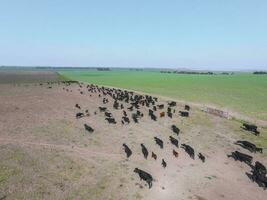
244	93
6	173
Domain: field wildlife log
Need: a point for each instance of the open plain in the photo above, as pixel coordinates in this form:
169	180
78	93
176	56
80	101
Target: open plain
47	154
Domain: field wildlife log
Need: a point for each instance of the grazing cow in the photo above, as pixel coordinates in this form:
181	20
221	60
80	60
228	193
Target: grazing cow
161	106
175	153
259	175
116	105
164	164
150	112
174	141
102	109
261	179
187	107
126	119
241	157
79	115
249	146
77	106
107	114
169	114
154	108
175	129
201	157
124	113
251	128
159	142
162	114
144	176
154	155
172	104
111	120
144	151
184	113
188	149
153	117
130	108
135	117
88	128
260	168
127	150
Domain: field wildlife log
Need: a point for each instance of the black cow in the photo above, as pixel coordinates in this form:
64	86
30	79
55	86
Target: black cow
174	141
249	146
77	106
153	117
144	176
107	114
150	112
144	151
241	157
172	104
127	150
79	115
130	108
111	120
126	119
169	114
201	157
124	113
260	168
251	128
159	142
161	106
188	149
259	175
184	113
88	128
164	164
187	107
102	109
135	117
175	129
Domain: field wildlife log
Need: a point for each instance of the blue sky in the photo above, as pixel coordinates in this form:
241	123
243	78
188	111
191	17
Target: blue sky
198	34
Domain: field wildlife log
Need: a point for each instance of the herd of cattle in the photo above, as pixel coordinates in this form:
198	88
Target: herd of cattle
130	103
258	170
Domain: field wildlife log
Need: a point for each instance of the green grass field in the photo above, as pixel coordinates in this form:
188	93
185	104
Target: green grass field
243	93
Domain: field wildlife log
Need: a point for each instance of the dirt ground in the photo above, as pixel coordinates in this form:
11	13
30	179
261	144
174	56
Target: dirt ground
26	76
47	154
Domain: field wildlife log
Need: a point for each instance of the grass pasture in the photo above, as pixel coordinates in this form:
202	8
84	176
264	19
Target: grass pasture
243	93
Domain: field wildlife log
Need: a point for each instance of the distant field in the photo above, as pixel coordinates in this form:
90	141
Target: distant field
242	93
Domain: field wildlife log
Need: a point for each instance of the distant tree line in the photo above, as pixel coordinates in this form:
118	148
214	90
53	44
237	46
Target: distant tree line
259	72
196	72
103	69
187	72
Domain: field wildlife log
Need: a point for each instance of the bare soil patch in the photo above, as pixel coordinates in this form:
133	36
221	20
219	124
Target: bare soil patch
47	154
27	76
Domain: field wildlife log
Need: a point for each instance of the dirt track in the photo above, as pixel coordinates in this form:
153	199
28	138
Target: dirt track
47	154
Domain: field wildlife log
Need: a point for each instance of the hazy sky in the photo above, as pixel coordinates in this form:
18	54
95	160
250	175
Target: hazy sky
205	34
